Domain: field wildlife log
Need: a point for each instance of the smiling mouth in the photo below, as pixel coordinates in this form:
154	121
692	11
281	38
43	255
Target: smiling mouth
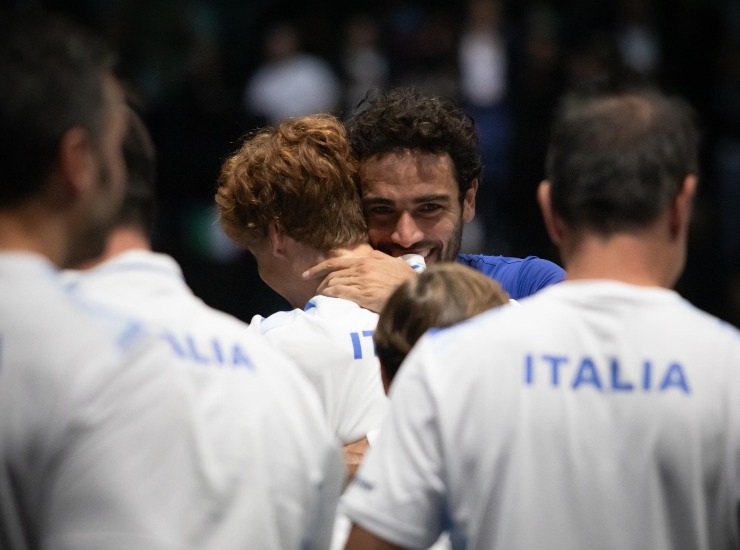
425	253
428	251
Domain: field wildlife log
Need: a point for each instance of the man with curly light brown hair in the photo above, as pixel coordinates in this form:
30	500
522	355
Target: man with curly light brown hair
296	180
289	196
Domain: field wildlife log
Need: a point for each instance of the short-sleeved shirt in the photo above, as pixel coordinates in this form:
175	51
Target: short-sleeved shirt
271	469
594	415
520	277
331	340
95	432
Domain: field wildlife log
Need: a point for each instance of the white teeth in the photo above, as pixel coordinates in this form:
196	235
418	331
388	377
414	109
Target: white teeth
423	253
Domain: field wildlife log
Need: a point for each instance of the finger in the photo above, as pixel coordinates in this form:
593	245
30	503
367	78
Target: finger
336	281
317	271
342	291
331	280
329	266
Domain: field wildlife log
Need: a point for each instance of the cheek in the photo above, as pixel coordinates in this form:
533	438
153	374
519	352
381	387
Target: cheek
377	234
440	229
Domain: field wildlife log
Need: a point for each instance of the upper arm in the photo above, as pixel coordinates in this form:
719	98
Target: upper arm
362	539
537	274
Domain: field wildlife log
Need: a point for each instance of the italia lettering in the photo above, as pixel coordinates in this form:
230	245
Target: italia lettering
208	352
606	375
357	339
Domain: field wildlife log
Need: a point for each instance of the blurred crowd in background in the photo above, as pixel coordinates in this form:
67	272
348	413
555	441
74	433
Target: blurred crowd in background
204	72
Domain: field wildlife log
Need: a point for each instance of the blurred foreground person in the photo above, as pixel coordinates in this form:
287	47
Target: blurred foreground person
270	467
95	426
604	412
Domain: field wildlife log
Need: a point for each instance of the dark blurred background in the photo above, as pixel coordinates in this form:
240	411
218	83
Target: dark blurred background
205	72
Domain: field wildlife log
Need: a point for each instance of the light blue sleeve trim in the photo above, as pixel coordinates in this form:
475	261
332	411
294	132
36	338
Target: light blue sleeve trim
279	319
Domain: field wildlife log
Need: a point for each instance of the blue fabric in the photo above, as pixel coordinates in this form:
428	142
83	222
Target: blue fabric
520	277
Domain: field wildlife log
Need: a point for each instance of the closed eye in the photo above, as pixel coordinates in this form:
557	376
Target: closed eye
378	210
429	208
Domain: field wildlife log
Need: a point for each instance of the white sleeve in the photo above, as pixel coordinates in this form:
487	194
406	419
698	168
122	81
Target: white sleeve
325	513
398	493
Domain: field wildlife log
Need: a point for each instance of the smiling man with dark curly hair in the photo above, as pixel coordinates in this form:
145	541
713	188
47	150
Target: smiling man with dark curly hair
419	171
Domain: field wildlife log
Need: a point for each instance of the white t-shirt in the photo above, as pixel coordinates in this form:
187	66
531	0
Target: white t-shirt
331	340
271	471
593	415
95	428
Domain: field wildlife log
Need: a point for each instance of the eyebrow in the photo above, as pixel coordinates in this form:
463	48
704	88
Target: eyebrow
418	200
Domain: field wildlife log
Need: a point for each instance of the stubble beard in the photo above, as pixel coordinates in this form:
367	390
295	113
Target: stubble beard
91	238
453	244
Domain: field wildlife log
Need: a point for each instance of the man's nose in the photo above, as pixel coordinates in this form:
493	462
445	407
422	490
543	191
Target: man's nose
406	231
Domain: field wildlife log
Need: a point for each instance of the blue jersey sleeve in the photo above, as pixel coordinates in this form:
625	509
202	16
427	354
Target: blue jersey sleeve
520	277
536	274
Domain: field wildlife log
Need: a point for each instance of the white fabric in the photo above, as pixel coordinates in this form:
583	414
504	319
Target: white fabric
331	340
300	85
483	68
271	471
95	432
593	415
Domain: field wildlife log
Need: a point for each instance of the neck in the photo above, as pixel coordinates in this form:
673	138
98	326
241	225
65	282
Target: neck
634	258
31	229
300	291
122	239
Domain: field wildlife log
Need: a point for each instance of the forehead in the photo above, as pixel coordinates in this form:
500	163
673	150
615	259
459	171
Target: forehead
407	174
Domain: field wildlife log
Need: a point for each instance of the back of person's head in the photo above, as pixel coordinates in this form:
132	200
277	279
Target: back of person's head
445	294
404	118
52	81
139	203
300	175
615	162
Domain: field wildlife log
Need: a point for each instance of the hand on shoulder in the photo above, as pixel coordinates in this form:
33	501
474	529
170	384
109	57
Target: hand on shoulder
366	280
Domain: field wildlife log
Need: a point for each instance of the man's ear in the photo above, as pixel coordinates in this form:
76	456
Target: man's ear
553	224
468	205
680	213
277	238
76	163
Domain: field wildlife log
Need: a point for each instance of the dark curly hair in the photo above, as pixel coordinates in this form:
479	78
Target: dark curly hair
404	118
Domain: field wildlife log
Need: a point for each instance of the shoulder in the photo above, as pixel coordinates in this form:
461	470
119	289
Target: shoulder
520	277
320	313
51	335
486	264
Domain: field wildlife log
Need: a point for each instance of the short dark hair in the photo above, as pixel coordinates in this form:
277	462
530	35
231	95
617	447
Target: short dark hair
52	80
403	118
616	161
139	203
445	294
